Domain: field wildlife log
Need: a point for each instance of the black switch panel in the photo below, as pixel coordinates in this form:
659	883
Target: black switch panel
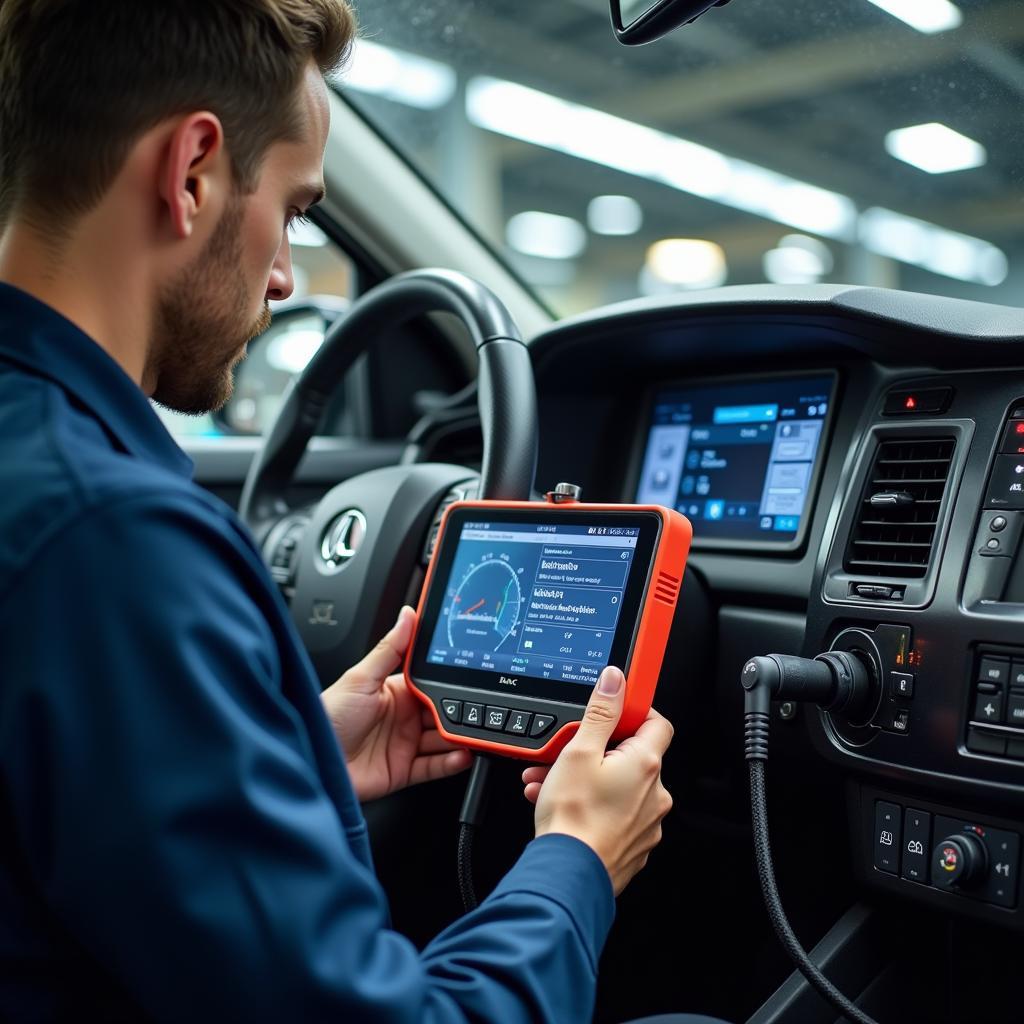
944	857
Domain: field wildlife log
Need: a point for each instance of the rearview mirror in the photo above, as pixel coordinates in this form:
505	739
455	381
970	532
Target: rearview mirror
642	21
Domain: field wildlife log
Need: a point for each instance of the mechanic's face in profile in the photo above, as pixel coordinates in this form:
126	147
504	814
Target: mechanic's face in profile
207	316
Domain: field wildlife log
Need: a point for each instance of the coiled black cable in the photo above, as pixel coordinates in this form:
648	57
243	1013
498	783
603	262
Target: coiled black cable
766	873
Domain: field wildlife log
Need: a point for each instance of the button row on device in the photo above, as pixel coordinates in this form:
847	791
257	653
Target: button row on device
497	719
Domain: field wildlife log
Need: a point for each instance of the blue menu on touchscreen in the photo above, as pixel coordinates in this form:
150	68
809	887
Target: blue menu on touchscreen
738	459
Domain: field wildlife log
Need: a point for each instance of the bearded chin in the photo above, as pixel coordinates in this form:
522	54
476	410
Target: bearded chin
262	324
202	326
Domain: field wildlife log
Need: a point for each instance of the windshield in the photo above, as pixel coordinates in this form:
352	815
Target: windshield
873	142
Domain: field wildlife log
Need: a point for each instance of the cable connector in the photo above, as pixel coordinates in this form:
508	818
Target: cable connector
835	681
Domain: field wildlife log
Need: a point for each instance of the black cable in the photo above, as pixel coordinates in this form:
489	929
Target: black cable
474	807
466	889
765	871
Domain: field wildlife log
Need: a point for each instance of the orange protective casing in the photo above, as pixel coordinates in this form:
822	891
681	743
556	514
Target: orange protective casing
657	610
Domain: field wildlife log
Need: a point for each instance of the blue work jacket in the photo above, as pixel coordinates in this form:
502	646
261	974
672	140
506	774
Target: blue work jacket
179	837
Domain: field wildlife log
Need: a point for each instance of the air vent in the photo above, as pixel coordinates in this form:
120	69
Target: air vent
894	533
666	588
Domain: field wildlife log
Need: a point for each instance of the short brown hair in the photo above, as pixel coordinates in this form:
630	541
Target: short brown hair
82	80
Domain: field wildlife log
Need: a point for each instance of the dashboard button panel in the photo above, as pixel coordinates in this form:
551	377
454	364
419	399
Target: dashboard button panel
944	852
997	702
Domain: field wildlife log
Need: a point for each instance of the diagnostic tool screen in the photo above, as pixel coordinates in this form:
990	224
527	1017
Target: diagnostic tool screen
549	599
737	459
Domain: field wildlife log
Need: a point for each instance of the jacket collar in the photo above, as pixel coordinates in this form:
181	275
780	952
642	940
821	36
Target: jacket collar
40	341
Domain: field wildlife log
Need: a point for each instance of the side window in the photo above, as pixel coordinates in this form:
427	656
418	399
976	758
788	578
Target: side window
324	286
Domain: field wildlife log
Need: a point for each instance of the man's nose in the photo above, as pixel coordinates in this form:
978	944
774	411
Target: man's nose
282	280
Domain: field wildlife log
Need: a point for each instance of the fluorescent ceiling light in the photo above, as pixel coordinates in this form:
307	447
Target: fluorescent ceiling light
687	263
935	148
614	215
798	259
397	75
936	249
546	234
927	16
544	120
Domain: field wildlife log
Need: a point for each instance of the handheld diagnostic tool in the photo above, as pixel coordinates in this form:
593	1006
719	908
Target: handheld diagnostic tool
525	603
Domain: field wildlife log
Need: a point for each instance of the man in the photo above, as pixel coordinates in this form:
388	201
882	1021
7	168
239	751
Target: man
181	831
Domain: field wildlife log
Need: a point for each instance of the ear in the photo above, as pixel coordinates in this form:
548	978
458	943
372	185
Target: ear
194	169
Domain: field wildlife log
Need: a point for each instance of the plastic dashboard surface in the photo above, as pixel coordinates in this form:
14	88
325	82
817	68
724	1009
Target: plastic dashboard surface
939	769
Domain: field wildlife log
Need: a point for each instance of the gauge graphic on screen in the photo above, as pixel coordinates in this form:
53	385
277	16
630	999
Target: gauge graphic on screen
485	607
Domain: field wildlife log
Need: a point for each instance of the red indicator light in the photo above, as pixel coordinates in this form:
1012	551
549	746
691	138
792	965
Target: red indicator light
1019	428
910	403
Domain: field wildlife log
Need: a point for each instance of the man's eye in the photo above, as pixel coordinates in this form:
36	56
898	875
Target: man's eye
297	217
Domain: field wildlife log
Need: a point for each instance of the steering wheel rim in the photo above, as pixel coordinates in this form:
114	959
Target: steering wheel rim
340	611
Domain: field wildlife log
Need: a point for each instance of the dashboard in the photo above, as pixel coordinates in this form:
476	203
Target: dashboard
852	461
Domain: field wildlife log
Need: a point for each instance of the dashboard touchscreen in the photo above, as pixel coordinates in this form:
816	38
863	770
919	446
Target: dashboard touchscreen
550	598
738	459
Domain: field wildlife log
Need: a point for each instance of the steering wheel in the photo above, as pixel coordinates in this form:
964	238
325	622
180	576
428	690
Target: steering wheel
348	564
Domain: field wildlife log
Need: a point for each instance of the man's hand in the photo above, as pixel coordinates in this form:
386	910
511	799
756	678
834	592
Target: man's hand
387	734
613	800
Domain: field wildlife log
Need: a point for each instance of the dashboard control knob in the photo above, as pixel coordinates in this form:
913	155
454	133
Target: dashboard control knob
959	862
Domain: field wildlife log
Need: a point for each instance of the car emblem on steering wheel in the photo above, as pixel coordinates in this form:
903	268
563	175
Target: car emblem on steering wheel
342	538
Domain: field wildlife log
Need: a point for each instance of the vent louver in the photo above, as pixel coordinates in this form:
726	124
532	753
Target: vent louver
894	533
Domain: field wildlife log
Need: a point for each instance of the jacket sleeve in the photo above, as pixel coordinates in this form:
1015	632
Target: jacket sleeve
164	792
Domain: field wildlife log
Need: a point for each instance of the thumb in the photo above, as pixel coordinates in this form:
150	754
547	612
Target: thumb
370	673
603	711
